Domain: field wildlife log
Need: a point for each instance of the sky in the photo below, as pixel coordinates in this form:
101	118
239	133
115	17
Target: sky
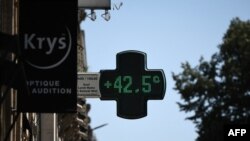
170	32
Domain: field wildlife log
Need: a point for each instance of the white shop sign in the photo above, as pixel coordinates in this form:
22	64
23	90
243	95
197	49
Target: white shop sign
88	85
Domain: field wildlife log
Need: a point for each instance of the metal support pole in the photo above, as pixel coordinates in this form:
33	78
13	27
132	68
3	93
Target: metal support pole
48	127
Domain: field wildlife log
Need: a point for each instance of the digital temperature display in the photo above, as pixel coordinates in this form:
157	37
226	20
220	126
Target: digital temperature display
134	85
124	84
131	84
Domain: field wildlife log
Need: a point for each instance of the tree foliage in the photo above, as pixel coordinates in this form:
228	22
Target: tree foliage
217	92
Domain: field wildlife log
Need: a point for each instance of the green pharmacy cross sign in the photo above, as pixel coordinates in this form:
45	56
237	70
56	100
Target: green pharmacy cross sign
131	84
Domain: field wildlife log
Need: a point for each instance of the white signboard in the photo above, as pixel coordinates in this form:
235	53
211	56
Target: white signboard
94	4
88	85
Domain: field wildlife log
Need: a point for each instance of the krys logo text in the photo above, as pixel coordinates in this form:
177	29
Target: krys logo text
46	52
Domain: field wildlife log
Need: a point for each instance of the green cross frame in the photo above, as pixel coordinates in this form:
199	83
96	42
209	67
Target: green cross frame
131	84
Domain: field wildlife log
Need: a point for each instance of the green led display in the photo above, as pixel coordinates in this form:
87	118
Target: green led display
124	84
